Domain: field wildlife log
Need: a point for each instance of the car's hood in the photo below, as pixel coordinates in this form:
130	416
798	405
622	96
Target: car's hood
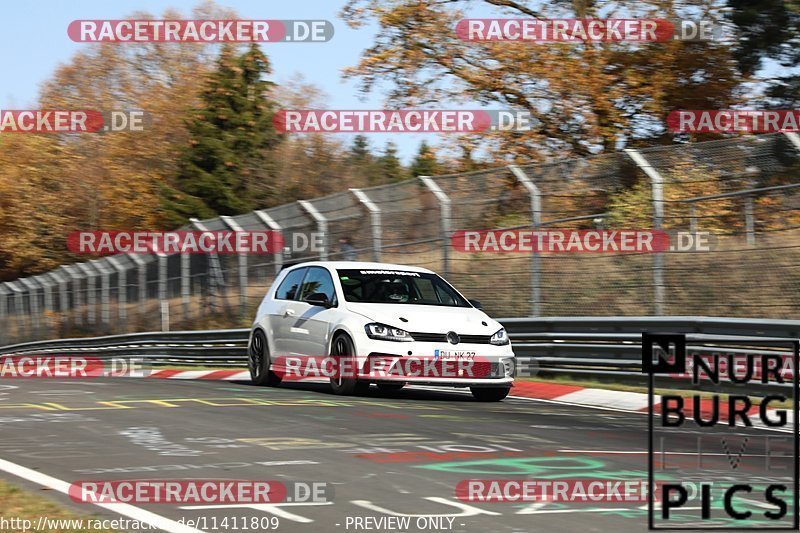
428	318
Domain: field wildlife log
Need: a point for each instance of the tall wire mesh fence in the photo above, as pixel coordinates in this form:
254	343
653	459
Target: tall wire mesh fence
744	193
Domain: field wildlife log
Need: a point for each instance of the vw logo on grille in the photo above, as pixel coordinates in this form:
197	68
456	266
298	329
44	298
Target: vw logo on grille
453	338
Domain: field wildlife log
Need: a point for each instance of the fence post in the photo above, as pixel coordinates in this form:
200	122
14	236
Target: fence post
233	225
122	290
162	290
536	221
33	304
274	226
91	294
375	222
444	209
186	279
794	138
4	321
322	226
19	308
215	278
45	281
141	266
77	289
63	296
749	222
657	186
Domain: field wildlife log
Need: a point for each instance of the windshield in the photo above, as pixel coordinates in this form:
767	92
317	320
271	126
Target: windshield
398	287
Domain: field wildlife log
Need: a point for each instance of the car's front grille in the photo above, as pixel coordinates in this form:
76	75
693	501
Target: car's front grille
441	337
429	337
475	339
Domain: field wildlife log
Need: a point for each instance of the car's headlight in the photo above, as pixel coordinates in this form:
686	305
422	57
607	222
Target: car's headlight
387	333
500	338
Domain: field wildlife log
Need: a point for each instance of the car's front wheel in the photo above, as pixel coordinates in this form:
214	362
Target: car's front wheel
345	381
489	394
258	361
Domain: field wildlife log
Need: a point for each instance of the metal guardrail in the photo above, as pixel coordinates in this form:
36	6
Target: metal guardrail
596	347
220	347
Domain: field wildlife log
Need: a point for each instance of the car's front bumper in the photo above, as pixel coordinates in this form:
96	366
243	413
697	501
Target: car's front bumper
462	365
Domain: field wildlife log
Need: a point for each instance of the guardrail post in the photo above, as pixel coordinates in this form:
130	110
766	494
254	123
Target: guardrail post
122	290
657	186
444	208
274	226
749	221
536	221
322	226
228	221
375	222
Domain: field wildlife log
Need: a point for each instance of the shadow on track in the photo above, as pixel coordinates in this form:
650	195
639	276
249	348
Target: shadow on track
406	393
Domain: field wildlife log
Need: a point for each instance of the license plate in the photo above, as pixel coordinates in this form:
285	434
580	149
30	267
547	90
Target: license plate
454	354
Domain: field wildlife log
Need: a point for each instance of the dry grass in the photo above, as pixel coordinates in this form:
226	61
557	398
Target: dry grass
26	505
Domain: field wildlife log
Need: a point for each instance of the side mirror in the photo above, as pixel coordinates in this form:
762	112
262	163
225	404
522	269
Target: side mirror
318	298
476	304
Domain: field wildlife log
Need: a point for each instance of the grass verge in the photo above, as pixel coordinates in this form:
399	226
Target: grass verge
21	504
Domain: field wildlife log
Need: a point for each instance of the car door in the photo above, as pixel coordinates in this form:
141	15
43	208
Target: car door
285	310
309	332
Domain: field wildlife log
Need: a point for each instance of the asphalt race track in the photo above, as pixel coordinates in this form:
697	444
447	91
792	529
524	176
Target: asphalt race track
384	454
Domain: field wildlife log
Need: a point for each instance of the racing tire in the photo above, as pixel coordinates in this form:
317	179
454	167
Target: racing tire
259	361
490	394
343	348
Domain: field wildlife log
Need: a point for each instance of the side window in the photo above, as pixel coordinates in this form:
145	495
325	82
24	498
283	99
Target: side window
445	295
426	290
288	288
318	280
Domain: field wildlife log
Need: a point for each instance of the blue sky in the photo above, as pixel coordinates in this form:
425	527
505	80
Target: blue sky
34	42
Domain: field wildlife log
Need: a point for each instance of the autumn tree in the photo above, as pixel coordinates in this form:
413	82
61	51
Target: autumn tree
425	163
769	30
54	184
361	161
583	97
390	168
231	136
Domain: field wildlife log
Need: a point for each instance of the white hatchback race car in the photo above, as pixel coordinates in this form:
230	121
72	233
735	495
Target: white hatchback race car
359	323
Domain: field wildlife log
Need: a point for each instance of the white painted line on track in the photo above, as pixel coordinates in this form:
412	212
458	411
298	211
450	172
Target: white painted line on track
124	509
